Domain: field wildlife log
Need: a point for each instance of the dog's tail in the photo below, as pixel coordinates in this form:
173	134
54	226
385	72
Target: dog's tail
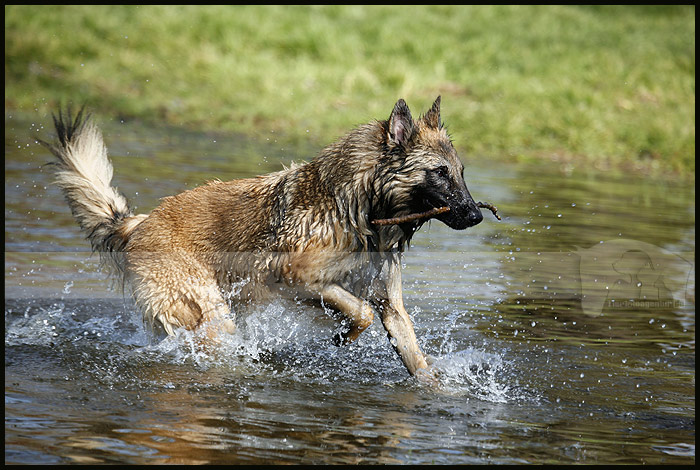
84	174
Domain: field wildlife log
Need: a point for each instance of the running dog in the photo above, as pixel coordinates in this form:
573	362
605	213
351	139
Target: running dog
332	229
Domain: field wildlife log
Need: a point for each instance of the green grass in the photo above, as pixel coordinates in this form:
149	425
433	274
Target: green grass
599	86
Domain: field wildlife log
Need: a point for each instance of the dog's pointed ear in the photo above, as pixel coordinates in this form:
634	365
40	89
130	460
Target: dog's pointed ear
400	124
432	117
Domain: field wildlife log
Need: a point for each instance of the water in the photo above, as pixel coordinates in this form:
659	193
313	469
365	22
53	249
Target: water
552	347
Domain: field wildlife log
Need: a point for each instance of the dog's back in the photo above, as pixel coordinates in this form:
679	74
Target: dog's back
217	217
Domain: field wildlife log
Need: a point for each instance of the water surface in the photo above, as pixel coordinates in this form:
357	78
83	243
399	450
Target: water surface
564	333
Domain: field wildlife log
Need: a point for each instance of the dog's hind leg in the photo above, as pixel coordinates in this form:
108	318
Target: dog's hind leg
192	308
206	299
176	294
358	311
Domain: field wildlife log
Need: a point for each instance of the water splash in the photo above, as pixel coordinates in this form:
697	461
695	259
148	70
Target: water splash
287	341
474	373
282	339
45	323
291	341
262	334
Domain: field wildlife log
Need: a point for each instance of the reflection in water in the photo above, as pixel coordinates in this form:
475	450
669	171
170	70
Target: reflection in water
564	333
206	432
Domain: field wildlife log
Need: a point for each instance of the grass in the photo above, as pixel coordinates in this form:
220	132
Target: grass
596	86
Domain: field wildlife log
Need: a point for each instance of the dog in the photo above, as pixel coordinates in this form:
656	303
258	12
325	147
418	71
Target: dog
313	229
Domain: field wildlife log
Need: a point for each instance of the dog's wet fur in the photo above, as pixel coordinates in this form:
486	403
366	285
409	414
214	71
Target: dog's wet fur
306	229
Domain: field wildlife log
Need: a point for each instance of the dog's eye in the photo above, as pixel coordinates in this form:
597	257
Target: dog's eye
441	171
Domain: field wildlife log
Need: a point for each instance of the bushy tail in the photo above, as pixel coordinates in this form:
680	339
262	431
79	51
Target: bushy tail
84	174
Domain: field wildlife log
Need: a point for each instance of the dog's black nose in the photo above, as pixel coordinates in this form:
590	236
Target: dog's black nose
475	217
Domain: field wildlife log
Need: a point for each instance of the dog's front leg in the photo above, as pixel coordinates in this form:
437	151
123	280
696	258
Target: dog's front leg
358	311
389	297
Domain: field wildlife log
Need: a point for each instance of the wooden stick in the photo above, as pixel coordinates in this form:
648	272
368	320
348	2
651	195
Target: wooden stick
432	212
411	217
492	208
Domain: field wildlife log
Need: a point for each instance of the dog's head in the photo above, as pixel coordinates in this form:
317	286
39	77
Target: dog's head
427	168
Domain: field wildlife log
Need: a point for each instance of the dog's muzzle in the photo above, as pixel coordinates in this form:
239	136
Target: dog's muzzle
463	216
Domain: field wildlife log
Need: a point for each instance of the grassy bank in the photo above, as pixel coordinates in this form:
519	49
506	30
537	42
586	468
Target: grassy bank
592	86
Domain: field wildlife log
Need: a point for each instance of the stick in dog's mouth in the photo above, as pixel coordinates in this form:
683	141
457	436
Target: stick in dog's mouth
431	213
411	217
491	207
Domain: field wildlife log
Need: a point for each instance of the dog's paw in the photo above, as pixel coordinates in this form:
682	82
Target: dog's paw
431	360
428	376
339	339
